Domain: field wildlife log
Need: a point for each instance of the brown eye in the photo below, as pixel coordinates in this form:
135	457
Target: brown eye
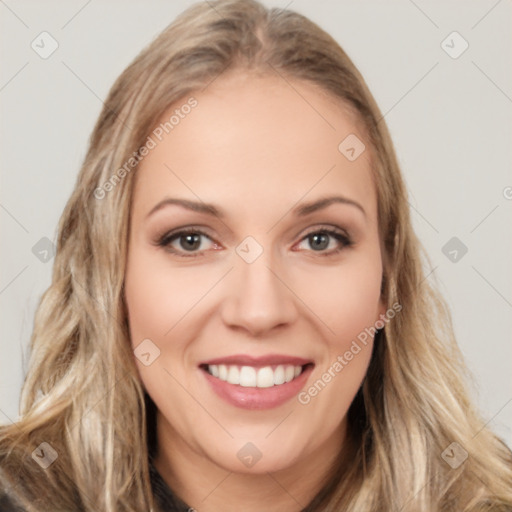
326	241
192	242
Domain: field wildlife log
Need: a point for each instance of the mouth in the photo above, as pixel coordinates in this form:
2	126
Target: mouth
257	383
258	377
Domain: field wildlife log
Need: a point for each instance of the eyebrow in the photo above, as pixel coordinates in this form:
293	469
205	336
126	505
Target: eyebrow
209	209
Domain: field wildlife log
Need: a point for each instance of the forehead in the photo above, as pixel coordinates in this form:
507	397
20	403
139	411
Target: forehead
253	141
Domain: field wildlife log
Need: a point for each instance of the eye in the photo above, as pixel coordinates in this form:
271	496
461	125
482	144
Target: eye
327	241
192	241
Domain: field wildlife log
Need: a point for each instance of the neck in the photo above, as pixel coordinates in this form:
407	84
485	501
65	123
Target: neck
208	487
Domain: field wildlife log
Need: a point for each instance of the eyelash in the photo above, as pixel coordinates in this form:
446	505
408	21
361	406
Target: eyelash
166	240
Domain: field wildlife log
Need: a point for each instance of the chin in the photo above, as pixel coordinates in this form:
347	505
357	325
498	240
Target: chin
257	456
269	463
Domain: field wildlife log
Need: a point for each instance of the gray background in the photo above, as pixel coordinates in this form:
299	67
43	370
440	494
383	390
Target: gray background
450	119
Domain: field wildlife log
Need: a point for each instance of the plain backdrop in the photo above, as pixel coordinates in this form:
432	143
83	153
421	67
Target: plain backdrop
449	114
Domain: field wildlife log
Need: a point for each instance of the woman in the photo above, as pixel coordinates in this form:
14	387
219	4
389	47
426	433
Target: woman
238	317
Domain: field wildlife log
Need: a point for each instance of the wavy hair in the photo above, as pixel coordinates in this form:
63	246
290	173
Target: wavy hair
82	394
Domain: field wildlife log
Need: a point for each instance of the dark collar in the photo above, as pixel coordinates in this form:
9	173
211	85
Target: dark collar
165	499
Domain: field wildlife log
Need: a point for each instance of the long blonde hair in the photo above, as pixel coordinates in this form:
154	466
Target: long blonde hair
82	394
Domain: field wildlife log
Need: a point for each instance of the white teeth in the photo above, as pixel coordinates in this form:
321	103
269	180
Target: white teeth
223	371
265	377
248	376
279	375
233	375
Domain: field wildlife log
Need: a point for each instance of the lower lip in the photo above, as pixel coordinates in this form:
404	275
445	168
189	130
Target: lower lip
257	398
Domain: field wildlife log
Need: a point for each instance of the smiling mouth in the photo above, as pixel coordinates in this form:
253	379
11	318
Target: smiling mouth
255	377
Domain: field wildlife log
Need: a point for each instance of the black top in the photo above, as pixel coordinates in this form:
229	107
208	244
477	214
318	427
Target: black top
165	500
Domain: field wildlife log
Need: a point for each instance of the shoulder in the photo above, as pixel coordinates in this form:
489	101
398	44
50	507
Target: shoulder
7	504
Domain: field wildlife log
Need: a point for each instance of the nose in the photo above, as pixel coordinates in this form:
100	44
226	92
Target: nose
257	300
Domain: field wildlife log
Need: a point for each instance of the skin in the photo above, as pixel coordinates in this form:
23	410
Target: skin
256	148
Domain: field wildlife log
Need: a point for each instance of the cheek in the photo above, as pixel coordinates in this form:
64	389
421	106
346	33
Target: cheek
344	297
154	300
158	298
146	301
347	300
164	306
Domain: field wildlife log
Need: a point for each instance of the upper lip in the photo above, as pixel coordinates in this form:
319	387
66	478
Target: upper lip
266	360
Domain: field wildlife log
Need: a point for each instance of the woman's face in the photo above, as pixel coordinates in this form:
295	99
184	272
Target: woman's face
254	268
